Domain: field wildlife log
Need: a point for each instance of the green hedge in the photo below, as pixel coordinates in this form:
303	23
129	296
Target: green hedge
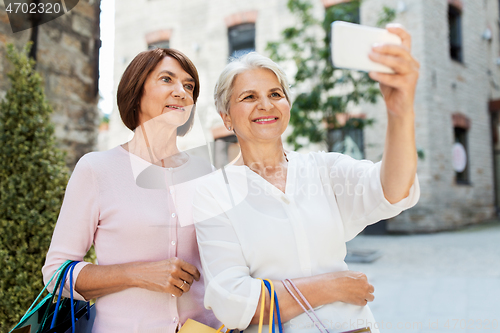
33	176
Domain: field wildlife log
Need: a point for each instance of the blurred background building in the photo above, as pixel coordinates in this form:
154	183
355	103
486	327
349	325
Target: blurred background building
67	54
457	102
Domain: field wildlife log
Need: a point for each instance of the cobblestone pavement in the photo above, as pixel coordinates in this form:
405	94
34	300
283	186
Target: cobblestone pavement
443	282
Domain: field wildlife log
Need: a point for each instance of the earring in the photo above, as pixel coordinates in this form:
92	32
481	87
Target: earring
229	128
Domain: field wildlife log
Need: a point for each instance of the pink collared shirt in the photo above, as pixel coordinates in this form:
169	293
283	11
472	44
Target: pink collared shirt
104	206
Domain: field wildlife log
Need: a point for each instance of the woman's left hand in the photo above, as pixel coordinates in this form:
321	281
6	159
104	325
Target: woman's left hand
398	89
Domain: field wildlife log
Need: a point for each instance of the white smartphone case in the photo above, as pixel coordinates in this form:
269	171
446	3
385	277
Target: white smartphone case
351	44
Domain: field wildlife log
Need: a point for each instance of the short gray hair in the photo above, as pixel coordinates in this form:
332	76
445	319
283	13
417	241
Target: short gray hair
224	86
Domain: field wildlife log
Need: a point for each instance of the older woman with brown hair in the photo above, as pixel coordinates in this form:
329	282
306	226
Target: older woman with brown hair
276	214
148	277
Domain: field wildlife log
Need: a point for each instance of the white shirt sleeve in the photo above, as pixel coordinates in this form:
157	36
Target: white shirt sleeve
358	191
230	292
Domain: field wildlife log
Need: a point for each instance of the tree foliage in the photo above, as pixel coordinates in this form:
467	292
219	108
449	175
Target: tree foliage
324	90
33	176
388	15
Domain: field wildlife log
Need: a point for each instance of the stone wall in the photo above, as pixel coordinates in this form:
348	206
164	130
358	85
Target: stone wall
446	87
67	58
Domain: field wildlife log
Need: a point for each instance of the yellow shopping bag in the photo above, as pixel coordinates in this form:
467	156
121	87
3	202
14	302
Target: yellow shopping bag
192	326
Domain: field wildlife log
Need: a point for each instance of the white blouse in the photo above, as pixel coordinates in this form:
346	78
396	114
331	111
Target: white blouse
247	229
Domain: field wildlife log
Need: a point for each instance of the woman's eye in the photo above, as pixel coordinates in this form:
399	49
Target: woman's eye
275	94
248	97
166	79
189	87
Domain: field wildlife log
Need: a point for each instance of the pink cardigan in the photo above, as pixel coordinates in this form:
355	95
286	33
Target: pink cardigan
104	206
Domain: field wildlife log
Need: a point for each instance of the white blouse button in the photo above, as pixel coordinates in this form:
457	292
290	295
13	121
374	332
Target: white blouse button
173	215
173	242
171	191
176	320
285	200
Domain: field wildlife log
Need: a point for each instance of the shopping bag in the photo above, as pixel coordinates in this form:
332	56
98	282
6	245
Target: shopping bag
65	315
192	326
317	323
33	318
84	320
80	318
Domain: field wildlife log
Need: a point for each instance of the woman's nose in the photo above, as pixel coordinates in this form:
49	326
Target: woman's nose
265	104
179	91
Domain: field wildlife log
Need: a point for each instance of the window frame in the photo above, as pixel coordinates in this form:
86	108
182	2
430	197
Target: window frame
455	35
233	47
159	44
355	133
223	145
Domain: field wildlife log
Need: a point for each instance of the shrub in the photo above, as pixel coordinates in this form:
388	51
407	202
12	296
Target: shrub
33	176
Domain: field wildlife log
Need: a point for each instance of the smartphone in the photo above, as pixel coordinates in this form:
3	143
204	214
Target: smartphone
351	44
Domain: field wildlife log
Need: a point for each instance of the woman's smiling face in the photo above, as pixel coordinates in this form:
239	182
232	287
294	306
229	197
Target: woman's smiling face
168	91
258	108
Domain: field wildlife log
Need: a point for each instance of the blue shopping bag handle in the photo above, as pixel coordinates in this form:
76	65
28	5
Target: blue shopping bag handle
71	297
278	319
73	320
280	326
61	288
35	305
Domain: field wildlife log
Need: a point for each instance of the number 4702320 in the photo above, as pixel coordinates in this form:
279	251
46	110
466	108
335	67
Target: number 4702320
33	8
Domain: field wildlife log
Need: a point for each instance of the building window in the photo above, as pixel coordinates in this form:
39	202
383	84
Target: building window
347	11
158	39
461	156
225	150
345	134
349	141
455	28
461	126
495	131
163	44
241	39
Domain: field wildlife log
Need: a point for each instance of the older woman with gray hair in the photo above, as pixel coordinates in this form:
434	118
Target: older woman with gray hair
280	215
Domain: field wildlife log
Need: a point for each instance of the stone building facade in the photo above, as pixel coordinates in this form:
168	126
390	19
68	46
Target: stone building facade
452	97
457	99
67	58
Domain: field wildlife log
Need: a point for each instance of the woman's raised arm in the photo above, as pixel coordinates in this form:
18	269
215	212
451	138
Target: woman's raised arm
399	162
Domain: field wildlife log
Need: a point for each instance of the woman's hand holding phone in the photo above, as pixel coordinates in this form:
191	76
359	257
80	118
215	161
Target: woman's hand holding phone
398	89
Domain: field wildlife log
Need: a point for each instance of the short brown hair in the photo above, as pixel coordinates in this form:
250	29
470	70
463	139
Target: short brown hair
131	85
